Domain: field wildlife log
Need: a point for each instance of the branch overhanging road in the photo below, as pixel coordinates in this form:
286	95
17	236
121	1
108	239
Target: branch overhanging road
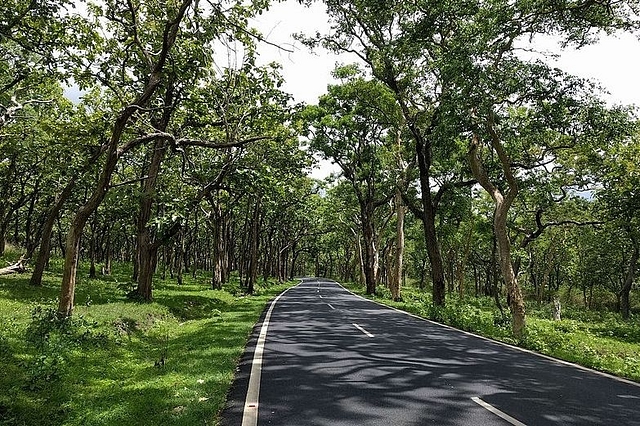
332	358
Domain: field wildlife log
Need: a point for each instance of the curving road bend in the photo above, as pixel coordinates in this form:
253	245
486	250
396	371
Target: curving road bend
332	358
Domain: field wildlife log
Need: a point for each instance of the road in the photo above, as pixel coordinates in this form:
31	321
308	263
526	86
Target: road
332	358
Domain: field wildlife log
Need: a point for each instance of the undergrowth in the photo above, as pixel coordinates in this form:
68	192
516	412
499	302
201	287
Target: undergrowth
118	361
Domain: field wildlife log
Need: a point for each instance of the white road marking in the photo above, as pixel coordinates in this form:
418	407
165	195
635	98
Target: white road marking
363	330
628	397
250	413
497	412
320	296
330	305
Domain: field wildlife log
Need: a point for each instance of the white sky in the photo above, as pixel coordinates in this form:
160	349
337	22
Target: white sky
306	74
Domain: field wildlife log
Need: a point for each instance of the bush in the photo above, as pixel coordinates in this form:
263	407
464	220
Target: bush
53	338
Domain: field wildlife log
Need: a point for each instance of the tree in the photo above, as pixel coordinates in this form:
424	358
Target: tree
611	161
489	80
400	43
352	126
148	72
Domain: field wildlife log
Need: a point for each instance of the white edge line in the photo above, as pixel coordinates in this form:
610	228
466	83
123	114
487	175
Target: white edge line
250	412
362	329
518	348
497	412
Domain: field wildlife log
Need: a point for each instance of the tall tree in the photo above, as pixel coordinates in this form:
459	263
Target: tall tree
400	43
147	80
352	126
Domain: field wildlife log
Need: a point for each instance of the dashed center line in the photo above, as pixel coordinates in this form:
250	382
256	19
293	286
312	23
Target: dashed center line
497	412
363	330
330	305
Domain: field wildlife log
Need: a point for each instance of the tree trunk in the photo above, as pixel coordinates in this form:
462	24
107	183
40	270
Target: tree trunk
516	300
360	257
92	249
502	205
146	250
625	303
47	230
3	238
217	277
557	309
106	269
429	225
396	277
113	153
252	276
424	155
72	251
17	268
371	256
179	259
72	245
148	258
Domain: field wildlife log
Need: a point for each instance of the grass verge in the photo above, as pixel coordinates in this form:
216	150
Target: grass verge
119	362
598	340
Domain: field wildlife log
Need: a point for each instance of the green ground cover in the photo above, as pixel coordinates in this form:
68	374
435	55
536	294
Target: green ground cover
119	362
595	339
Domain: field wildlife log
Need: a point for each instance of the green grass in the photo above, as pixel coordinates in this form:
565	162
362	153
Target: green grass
119	362
599	340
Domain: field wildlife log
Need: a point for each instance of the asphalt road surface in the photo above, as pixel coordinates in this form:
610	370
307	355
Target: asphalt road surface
332	358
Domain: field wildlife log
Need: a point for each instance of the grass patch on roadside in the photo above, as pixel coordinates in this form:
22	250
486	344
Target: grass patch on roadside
119	362
598	340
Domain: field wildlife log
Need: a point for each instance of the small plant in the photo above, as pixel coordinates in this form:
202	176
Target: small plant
44	321
45	368
160	336
216	314
5	349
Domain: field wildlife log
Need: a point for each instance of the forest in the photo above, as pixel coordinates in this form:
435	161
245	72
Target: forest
476	185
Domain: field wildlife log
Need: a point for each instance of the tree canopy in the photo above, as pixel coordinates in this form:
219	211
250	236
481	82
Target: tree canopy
179	160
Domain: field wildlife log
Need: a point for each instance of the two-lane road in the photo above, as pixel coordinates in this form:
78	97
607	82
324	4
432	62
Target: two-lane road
332	358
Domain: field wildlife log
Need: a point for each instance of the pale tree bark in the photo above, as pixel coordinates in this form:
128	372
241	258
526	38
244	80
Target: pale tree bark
502	204
557	309
219	252
113	153
17	268
371	256
360	255
396	277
